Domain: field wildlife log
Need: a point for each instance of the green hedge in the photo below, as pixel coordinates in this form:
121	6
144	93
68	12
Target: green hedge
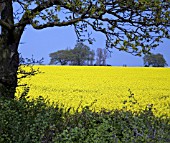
23	121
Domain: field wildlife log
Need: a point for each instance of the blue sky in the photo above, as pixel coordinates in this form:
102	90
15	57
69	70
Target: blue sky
40	43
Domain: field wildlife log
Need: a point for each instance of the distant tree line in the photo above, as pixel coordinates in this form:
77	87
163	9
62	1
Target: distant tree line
79	55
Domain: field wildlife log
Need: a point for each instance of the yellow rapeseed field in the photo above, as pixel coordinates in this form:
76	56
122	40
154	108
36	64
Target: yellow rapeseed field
70	85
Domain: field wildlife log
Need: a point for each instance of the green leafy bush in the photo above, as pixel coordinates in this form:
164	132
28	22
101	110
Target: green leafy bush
28	121
23	121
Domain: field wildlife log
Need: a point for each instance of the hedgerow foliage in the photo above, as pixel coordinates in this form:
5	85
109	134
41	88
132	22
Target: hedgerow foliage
23	121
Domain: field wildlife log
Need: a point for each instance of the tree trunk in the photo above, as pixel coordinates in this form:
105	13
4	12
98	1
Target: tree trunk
9	57
9	62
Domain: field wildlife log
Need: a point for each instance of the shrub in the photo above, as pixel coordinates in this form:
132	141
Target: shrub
23	121
28	121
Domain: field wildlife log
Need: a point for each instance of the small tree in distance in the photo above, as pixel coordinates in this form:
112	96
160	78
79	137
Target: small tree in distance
102	55
80	54
154	60
60	57
90	58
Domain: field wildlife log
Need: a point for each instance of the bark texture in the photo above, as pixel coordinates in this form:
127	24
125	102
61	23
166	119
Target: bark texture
9	57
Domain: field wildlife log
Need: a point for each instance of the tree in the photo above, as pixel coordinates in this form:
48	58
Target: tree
62	57
155	60
105	56
99	55
90	58
80	53
102	55
134	26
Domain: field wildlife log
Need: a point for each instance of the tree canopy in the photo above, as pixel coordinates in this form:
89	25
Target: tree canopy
155	60
61	56
134	26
